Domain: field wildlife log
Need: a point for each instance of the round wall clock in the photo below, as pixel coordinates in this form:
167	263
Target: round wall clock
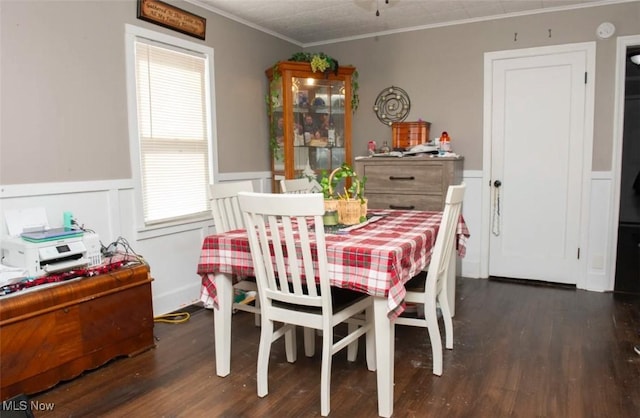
392	105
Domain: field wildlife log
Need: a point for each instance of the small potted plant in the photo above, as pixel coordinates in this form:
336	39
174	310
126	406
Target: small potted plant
351	203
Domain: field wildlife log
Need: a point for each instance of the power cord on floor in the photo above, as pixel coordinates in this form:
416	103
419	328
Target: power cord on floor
173	318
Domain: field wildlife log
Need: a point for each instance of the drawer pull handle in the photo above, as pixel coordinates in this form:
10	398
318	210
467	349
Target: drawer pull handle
402	207
401	178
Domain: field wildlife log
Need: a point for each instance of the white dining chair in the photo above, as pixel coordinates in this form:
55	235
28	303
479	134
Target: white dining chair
227	217
300	185
430	289
280	225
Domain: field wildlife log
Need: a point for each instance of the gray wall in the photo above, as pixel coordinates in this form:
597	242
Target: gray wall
63	93
442	71
63	90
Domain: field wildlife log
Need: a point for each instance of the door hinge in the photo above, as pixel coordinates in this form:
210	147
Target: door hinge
585	77
578	253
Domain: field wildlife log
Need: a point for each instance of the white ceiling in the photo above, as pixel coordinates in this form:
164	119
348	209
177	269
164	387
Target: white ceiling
311	22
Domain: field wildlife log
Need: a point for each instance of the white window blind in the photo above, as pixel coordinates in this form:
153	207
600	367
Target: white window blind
171	90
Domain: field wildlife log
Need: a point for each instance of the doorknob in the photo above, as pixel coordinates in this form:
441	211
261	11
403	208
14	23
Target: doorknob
497	183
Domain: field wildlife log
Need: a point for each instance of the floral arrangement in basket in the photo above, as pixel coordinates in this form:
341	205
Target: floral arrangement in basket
350	204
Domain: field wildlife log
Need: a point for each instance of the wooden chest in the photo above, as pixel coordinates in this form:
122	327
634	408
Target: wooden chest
55	333
408	134
411	183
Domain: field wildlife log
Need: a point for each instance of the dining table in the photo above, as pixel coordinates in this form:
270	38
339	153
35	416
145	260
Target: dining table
376	257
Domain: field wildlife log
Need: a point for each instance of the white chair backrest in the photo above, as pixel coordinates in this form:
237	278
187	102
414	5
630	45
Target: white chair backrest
224	204
301	185
291	221
444	246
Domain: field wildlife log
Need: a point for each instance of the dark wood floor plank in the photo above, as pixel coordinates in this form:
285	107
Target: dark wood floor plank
520	350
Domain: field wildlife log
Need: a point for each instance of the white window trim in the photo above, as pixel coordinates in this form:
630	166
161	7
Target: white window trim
131	34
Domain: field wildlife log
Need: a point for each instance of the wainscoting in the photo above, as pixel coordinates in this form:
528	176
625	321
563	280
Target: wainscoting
108	207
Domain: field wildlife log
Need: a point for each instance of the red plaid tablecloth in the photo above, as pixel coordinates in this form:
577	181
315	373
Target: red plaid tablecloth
376	259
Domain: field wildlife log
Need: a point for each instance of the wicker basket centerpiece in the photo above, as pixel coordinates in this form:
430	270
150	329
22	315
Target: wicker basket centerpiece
351	204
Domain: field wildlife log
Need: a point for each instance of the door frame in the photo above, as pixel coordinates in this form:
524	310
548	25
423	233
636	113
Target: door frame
623	42
489	57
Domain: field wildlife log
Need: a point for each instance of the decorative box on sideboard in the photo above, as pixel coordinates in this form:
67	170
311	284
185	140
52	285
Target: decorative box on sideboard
414	183
405	135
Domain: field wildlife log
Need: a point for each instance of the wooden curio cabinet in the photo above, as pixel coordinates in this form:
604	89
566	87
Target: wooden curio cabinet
310	120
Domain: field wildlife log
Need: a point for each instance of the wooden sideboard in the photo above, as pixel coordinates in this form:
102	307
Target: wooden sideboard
54	333
418	183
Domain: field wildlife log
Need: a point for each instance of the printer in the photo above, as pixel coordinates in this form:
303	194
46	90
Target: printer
52	255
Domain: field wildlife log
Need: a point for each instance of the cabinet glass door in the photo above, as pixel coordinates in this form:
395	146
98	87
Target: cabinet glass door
318	124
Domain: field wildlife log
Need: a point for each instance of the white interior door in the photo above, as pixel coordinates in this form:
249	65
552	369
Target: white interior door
537	145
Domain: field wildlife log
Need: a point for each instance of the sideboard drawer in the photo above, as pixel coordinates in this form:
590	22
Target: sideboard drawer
412	179
418	183
402	201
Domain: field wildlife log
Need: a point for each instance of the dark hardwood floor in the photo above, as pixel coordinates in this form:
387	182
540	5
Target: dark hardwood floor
520	350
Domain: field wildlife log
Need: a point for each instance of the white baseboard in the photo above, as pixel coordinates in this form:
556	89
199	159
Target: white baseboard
471	269
166	302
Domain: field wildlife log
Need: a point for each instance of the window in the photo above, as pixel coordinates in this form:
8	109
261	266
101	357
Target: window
172	132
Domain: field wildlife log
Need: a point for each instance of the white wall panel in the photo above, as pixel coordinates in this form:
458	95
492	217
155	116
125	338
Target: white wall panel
107	208
598	254
471	211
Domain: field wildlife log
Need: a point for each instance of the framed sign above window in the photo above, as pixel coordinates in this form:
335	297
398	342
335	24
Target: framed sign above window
163	14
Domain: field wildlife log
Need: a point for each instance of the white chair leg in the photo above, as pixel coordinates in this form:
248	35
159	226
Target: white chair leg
264	350
371	342
257	316
290	345
446	316
434	335
325	374
309	342
352	349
